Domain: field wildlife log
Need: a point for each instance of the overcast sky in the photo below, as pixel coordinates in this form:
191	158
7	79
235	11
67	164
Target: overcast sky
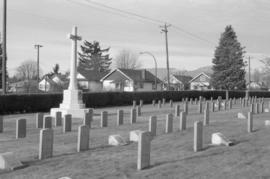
48	22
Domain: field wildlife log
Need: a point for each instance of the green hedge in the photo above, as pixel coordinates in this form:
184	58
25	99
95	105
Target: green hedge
25	103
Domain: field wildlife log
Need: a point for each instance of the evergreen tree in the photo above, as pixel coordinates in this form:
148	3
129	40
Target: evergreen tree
228	65
92	57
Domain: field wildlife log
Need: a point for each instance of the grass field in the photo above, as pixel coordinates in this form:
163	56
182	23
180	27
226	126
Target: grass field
172	154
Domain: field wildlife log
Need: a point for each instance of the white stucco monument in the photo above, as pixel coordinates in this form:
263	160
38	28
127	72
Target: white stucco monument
72	97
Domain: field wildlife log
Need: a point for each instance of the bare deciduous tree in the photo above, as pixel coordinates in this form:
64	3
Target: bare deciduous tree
27	70
127	59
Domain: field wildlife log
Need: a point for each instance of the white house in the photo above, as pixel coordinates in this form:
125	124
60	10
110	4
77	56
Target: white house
180	82
48	85
200	82
130	80
89	80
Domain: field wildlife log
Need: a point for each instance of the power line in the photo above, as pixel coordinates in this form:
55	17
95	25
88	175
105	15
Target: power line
125	12
114	12
156	21
192	35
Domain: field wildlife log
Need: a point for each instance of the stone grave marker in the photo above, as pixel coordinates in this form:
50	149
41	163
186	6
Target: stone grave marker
182	123
8	161
206	117
39	120
88	118
241	116
153	125
20	128
120	117
104	119
134	135
141	103
153	102
186	107
200	107
58	118
45	143
159	104
171	103
67	123
163	101
47	122
134	104
219	139
198	136
133	116
251	108
1	124
250	122
83	138
139	112
169	123
144	149
116	140
177	110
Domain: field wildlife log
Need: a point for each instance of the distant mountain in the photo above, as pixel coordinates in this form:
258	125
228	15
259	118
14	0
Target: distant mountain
162	72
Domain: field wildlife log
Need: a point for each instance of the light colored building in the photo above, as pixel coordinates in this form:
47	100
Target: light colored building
180	82
256	86
130	80
200	82
89	80
48	85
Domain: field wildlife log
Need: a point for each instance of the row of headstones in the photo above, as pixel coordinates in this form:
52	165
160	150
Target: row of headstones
46	139
144	138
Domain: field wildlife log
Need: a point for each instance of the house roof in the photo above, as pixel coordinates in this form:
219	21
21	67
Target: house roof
184	79
208	75
135	75
91	75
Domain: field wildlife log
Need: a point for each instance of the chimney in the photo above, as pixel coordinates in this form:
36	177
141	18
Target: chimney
143	74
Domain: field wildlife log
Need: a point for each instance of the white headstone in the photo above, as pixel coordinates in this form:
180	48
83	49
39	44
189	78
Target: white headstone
219	139
267	123
9	162
241	116
134	135
116	140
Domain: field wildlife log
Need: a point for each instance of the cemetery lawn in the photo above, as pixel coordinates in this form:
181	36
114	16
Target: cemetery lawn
172	154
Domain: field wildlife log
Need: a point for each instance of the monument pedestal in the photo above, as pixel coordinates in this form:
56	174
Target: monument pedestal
72	97
72	104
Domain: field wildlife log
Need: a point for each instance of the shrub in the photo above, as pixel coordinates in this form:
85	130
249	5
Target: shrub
26	103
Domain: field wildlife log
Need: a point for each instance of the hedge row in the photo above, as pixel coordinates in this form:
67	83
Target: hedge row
25	103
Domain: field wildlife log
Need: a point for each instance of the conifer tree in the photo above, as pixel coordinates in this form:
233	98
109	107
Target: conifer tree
92	57
228	64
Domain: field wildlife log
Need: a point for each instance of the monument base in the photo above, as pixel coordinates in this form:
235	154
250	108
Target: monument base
72	104
76	113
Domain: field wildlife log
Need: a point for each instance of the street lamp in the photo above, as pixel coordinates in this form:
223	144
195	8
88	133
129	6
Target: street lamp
155	65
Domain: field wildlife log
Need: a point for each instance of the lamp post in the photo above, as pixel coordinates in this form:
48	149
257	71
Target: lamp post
155	66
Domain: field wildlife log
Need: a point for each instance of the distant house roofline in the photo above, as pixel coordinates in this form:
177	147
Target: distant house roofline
202	73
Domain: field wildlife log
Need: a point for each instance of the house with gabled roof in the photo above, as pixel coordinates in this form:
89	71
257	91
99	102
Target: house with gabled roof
89	80
201	82
180	82
130	80
46	84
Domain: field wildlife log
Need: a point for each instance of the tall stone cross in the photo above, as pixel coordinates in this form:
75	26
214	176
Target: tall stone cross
73	61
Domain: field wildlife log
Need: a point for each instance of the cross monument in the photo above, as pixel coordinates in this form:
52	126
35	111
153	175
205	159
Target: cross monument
72	97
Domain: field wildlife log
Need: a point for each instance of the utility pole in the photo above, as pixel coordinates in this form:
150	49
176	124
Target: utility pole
37	46
165	30
4	47
249	78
